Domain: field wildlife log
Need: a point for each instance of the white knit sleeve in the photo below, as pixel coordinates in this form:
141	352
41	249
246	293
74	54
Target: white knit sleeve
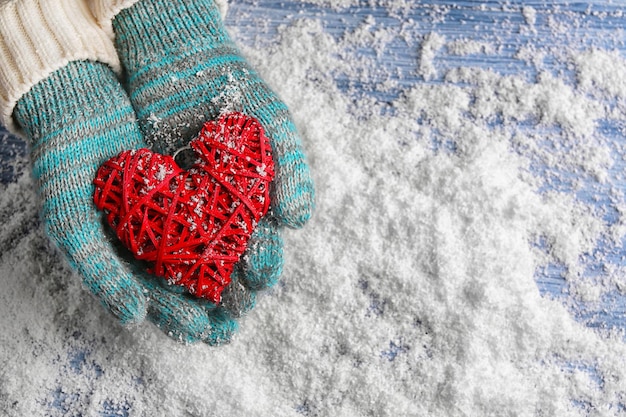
37	37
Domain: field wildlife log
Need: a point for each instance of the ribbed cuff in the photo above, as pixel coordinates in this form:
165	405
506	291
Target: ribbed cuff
154	30
82	91
38	37
106	10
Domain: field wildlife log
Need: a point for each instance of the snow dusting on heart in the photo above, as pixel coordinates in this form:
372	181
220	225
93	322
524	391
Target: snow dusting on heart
191	226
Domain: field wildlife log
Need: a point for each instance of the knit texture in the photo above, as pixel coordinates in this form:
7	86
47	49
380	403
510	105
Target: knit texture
76	119
38	37
106	10
186	319
184	69
72	130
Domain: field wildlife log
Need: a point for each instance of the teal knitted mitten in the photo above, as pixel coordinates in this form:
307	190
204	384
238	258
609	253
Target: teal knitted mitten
76	119
183	70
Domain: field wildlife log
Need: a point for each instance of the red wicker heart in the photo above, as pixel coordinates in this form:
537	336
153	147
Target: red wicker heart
191	226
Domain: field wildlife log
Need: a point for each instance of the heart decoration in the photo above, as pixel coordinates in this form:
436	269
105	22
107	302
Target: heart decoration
191	226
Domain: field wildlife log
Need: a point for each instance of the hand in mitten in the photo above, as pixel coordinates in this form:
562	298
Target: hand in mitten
183	70
75	119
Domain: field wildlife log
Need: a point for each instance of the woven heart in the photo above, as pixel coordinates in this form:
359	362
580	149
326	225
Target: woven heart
191	226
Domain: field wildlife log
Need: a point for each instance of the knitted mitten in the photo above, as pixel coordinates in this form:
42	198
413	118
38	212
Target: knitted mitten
183	69
76	119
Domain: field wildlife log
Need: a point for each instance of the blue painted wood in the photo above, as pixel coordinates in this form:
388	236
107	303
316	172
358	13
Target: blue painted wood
12	156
